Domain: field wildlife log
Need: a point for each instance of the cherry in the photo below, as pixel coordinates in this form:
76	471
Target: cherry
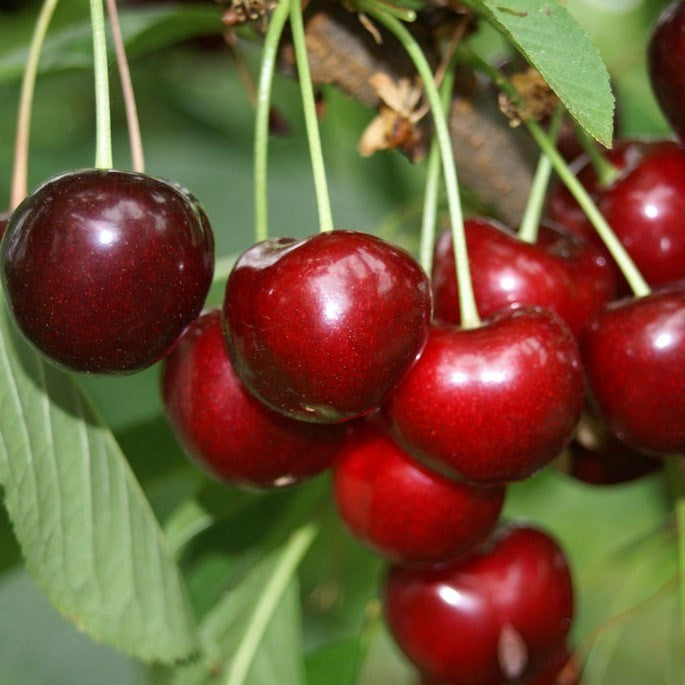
402	510
495	403
561	272
633	355
498	615
103	270
323	328
4	218
645	207
226	430
665	57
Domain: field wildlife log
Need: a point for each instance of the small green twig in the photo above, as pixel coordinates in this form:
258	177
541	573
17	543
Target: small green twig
103	146
263	103
136	141
530	223
606	172
635	279
323	199
432	186
21	147
467	302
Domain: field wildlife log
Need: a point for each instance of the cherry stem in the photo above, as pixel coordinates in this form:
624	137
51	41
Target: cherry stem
268	600
323	200
19	188
530	223
675	475
401	13
631	273
137	157
432	186
103	144
606	172
467	301
262	106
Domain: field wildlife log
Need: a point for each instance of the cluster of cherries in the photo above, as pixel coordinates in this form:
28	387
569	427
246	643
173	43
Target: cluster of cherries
337	350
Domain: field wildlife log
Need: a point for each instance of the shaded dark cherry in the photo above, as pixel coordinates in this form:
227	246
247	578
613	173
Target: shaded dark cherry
596	456
561	272
226	430
402	510
665	58
323	328
494	617
495	403
103	270
4	218
633	354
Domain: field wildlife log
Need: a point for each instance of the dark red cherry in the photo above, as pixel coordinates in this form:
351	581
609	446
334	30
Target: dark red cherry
645	208
633	354
496	616
323	328
226	430
560	272
562	669
402	510
103	270
4	218
495	403
596	456
665	58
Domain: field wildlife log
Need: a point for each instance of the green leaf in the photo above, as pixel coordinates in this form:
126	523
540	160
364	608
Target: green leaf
562	51
69	43
84	525
252	635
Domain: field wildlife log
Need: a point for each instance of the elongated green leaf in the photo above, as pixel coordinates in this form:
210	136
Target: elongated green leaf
69	45
562	51
84	526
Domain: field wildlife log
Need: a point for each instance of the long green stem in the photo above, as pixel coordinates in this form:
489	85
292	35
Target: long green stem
530	223
323	200
103	144
606	172
268	600
263	103
432	186
136	141
19	188
467	302
635	280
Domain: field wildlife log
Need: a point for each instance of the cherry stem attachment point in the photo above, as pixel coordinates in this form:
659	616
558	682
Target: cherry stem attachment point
19	188
401	13
323	200
467	301
625	263
432	186
137	157
262	106
530	223
103	144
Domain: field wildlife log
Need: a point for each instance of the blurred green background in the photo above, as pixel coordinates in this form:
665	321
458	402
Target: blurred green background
197	129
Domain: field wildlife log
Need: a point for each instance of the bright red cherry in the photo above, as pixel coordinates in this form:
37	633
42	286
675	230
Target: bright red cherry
495	403
323	328
560	272
499	615
665	57
402	510
633	354
226	430
103	269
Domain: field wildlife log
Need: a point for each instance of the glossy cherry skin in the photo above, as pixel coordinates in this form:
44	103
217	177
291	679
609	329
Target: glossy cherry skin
322	328
404	511
492	404
633	354
457	622
665	58
645	208
224	429
103	270
560	272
